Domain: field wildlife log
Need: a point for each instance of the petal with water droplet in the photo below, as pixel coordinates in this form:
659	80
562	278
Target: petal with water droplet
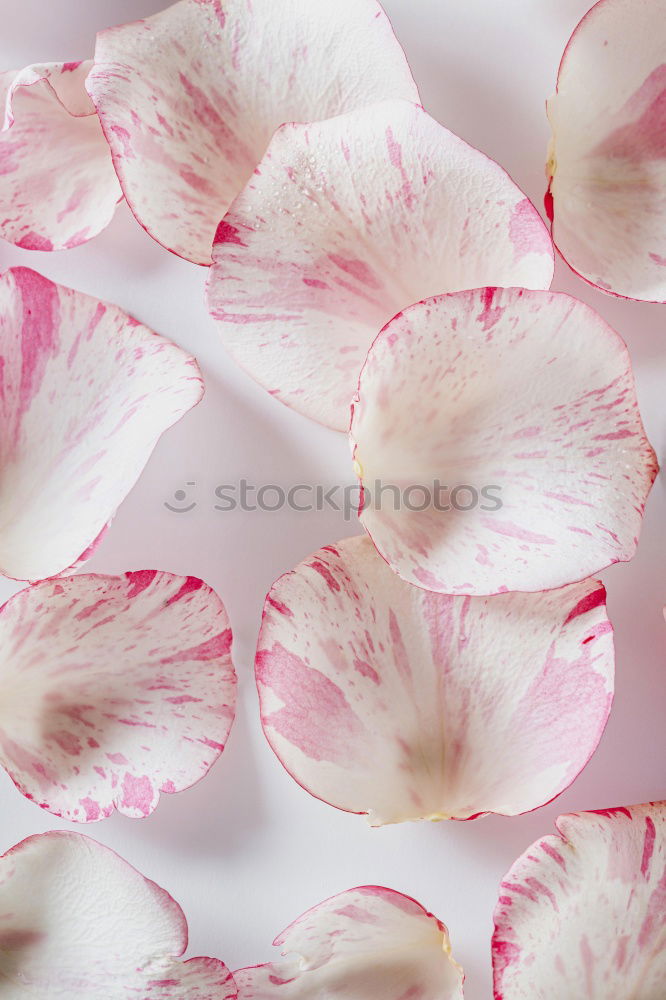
347	222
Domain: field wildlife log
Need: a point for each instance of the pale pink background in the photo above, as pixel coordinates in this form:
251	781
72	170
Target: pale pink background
247	850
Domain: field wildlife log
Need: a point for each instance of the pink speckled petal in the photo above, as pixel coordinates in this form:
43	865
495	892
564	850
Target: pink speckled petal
368	943
385	699
505	422
58	187
190	98
78	923
582	916
347	222
114	689
85	394
607	161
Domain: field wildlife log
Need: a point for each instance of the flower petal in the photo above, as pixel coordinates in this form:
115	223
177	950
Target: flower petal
507	421
190	98
583	915
385	699
114	689
77	922
373	211
85	394
368	943
607	163
58	187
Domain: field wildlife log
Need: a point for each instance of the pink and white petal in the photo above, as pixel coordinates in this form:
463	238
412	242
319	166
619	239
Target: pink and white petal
58	186
347	222
506	422
64	81
85	394
190	98
77	922
583	915
368	943
114	689
385	699
607	161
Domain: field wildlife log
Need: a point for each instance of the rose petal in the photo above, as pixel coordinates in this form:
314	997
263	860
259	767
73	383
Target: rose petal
115	689
373	211
85	394
384	699
58	187
77	922
583	915
607	163
190	98
369	943
508	420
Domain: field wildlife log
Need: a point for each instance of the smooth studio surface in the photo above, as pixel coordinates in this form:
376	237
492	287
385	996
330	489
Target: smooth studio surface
246	850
